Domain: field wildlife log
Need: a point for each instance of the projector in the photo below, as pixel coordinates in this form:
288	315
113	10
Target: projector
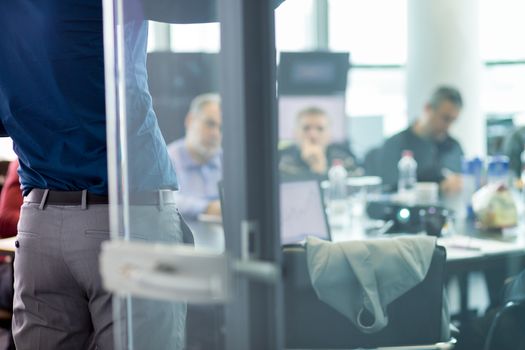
429	219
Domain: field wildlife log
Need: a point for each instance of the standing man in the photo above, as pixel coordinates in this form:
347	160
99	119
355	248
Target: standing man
52	103
312	153
438	155
197	158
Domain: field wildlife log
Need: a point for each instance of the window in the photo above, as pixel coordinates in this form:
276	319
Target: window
374	31
294	30
501	30
503	89
203	37
378	92
6	149
375	34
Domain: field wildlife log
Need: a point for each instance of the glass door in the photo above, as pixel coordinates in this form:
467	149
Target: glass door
193	258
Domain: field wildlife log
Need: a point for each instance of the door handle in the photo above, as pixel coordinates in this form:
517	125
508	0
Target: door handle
204	289
164	271
176	272
260	271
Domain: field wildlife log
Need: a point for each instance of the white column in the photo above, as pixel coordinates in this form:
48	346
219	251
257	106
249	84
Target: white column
320	16
443	48
159	37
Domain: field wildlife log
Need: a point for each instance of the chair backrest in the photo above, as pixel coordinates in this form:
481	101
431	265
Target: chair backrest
414	318
507	331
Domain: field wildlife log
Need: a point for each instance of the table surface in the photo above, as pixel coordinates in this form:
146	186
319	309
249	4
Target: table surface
465	243
460	247
7	245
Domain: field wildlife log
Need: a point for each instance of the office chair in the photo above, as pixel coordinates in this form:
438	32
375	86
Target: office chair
507	331
414	319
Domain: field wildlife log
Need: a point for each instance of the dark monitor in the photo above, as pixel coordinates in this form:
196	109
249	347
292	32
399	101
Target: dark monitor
182	74
313	73
174	79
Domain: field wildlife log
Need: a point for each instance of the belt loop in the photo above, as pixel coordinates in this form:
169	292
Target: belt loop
161	200
44	199
84	199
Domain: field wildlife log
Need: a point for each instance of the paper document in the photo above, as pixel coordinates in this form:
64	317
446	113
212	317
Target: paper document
482	246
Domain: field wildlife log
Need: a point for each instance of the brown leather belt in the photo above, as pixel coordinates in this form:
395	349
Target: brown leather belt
54	197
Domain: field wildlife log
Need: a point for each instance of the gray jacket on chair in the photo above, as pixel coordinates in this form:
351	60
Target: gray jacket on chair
361	278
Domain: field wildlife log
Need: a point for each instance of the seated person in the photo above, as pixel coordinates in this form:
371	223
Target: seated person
312	154
438	155
10	202
513	147
197	158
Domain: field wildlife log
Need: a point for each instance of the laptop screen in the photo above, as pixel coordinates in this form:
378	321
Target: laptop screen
302	212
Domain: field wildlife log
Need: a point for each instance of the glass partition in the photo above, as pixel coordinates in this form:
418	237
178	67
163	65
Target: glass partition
343	170
341	93
165	161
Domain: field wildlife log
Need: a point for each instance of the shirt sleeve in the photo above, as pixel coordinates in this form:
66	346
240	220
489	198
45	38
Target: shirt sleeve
456	159
390	155
431	174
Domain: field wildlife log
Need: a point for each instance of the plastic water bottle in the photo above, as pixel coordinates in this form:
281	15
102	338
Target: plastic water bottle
407	168
472	170
338	199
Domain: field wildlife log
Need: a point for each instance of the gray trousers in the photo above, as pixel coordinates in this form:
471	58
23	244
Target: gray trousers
59	301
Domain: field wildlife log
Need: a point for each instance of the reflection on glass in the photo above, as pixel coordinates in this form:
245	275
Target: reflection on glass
166	97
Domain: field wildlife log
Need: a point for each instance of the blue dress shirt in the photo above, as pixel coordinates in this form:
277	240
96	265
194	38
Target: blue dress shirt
52	98
198	182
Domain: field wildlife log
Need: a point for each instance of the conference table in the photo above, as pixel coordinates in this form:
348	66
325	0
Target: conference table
498	255
469	249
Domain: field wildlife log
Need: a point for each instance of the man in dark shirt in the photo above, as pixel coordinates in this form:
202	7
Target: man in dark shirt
312	154
438	155
52	104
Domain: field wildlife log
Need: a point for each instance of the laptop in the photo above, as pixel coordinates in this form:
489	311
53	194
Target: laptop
302	212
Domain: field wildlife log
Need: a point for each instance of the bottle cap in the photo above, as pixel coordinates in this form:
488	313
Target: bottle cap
472	166
407	153
337	162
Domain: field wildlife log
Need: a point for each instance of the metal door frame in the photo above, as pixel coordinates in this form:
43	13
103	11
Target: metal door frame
254	320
